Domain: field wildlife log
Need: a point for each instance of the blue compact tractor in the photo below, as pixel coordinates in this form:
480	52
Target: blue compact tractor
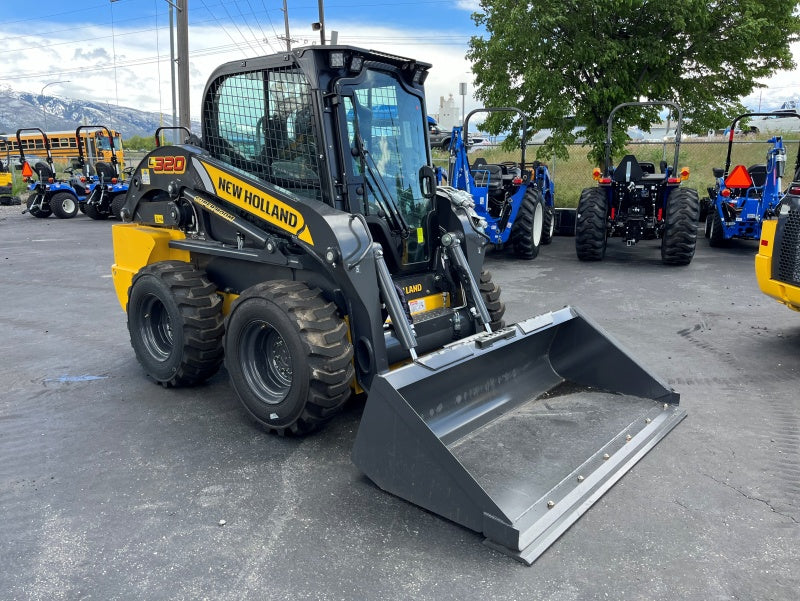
515	200
106	191
635	202
744	196
48	195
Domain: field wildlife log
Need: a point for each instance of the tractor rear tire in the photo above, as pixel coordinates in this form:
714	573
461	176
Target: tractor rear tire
116	205
93	212
526	233
42	211
491	296
679	239
64	205
716	229
591	225
175	323
288	356
548	225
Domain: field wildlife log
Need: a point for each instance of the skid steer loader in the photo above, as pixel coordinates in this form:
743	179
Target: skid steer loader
778	260
303	241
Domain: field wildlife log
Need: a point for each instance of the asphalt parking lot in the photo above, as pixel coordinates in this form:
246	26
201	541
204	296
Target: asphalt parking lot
114	488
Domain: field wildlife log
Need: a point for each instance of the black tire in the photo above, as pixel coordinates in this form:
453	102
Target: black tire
116	205
93	212
446	144
288	356
42	211
716	232
491	296
526	233
64	205
548	225
175	323
591	221
679	239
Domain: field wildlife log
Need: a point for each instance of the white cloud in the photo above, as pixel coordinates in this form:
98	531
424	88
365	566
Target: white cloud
126	70
86	66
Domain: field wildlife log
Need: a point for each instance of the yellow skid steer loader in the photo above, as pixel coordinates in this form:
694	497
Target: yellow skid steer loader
302	240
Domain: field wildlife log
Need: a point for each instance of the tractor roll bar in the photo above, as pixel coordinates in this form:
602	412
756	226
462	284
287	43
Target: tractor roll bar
733	129
651	103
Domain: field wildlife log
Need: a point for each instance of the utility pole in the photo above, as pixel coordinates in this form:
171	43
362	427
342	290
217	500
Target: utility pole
321	22
183	64
286	25
172	70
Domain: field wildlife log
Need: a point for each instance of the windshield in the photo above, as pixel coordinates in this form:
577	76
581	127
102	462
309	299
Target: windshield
390	123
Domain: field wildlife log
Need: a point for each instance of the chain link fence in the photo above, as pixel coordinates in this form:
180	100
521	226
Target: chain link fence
700	155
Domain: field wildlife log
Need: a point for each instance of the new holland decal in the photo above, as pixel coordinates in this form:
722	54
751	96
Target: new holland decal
258	202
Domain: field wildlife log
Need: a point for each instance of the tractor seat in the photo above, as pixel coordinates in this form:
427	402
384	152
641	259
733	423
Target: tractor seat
487	175
758	173
628	170
648	168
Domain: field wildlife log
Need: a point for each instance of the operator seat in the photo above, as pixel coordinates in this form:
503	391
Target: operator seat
483	172
758	173
628	170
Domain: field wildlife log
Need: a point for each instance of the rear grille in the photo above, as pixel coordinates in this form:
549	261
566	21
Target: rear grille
788	268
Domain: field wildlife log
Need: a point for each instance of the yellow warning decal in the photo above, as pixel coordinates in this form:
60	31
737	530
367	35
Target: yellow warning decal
259	203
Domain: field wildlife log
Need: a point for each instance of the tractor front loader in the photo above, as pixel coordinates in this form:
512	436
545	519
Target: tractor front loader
302	241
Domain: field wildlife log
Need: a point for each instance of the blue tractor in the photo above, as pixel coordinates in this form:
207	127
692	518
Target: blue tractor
515	200
105	191
744	196
635	202
48	195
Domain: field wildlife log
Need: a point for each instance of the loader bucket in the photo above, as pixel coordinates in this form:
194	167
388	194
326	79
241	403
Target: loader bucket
514	434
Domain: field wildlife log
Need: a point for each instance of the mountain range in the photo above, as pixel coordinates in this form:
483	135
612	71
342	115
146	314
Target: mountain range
54	113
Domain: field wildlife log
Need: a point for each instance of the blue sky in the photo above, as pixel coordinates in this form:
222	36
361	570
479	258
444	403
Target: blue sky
118	52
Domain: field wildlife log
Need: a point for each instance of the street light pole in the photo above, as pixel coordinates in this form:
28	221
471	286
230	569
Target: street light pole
51	83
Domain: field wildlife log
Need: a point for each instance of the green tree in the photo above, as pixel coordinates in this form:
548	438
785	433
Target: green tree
569	63
140	143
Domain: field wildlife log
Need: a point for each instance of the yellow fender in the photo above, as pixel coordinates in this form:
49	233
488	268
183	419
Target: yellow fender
135	247
785	293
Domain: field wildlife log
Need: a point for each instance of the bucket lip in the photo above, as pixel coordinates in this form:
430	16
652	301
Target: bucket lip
533	535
